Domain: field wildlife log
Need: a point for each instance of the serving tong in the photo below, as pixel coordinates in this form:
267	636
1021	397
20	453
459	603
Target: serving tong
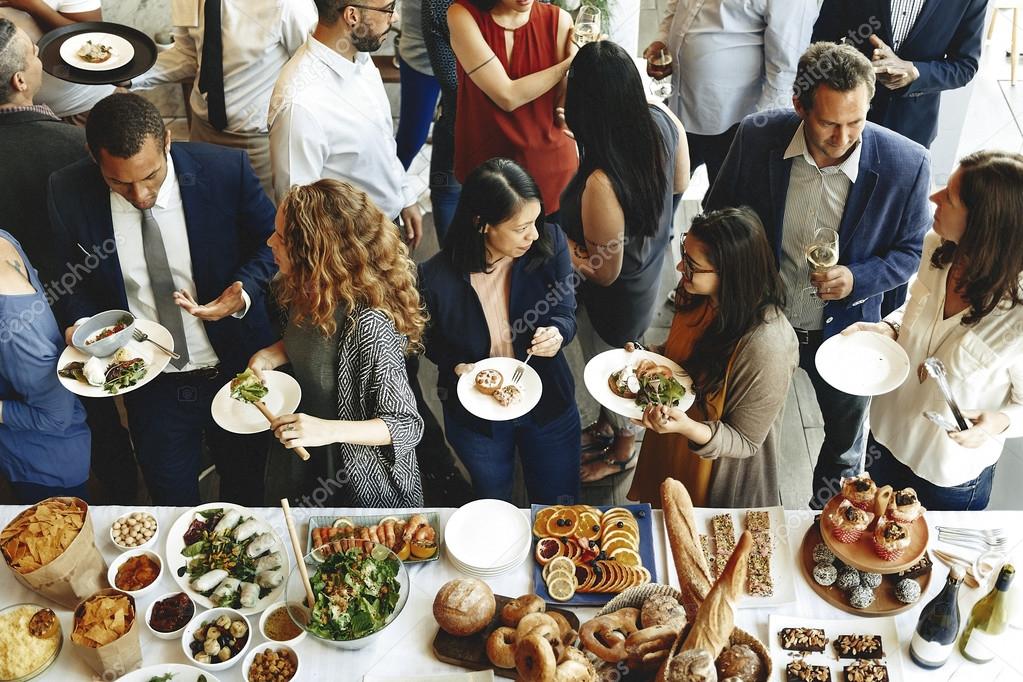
936	368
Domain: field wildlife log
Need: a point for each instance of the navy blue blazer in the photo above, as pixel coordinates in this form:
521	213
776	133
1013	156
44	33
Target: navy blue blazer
944	45
458	332
228	217
886	214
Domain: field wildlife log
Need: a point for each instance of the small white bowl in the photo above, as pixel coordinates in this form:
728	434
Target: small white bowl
188	635
176	633
270	645
124	517
266	615
116	564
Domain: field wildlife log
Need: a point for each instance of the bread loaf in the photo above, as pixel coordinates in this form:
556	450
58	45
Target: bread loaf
695	665
715	620
684	538
464	606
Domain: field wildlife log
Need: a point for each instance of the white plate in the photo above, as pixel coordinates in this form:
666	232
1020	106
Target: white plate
485	407
156	360
491	572
884	626
487	534
123	52
176	542
783	571
237	416
604	365
862	363
182	673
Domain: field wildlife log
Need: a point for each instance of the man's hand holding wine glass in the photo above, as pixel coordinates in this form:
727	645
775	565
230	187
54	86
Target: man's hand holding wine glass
833	284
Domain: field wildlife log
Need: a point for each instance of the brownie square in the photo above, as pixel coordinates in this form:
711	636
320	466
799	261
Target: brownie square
801	671
916	570
803	639
866	671
859	646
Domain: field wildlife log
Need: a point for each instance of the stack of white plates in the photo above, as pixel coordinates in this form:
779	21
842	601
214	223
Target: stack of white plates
487	538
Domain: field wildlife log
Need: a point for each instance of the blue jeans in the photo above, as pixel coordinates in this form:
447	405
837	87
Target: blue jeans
33	493
549	454
445	190
419	93
970	496
843	414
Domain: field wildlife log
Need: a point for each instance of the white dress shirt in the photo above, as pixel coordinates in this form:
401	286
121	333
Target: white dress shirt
170	215
816	198
985	372
259	37
330	118
733	57
904	16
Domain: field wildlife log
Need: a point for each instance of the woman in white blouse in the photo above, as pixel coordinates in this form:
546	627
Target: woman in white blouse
966	309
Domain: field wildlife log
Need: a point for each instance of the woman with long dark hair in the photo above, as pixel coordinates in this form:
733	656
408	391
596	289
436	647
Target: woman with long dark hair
965	308
503	286
617	212
730	334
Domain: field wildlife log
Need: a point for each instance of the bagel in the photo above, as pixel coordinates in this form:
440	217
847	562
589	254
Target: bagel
540	624
513	611
568	635
501	647
534	659
605	636
572	671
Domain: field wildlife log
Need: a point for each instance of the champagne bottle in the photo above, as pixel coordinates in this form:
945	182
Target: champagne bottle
987	620
938	626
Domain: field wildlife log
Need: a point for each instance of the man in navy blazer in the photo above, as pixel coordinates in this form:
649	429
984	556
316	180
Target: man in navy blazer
825	166
153	228
919	49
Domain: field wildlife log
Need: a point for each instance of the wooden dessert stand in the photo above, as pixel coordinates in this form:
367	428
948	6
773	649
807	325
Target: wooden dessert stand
861	556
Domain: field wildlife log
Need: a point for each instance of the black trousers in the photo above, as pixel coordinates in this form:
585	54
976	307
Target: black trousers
710	150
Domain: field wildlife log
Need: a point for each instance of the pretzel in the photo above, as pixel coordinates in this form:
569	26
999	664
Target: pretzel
605	636
649	647
534	659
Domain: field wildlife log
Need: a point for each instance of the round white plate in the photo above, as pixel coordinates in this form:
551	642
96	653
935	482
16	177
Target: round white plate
123	52
487	534
484	406
176	543
604	365
182	673
862	363
241	417
156	360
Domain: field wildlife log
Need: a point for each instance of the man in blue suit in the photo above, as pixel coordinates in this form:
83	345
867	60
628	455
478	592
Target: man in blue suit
152	228
825	166
919	49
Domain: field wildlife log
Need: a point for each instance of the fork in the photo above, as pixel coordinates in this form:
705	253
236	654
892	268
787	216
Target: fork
986	539
142	337
520	370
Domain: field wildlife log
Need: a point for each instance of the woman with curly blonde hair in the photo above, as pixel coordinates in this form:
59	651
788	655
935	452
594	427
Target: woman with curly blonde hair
351	312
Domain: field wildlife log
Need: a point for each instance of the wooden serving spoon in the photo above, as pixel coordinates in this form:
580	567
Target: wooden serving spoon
302	453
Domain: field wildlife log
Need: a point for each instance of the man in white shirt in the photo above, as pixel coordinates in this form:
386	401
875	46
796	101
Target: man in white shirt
160	227
69	101
731	58
330	117
252	42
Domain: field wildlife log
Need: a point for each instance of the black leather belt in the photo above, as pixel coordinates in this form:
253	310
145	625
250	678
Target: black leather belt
809	336
207	373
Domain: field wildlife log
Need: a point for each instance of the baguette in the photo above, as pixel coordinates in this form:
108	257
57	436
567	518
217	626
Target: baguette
693	575
716	618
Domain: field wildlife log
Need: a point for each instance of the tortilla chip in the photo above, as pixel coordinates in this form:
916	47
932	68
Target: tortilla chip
41	533
102	620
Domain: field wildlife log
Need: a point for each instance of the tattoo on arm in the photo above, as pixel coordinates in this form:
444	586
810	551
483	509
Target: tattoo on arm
17	267
580	251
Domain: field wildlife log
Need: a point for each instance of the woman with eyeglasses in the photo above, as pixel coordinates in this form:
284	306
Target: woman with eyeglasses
617	212
513	56
731	336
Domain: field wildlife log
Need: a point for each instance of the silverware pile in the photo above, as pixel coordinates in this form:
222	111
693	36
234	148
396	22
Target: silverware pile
979	539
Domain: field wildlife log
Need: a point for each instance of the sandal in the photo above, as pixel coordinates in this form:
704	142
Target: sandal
600	469
597	436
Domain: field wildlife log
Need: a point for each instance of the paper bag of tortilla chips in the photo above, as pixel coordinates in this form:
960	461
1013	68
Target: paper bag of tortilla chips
50	548
105	633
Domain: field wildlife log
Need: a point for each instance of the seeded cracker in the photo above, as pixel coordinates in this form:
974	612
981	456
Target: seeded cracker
708	555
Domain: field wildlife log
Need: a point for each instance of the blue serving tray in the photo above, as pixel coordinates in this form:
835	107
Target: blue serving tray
646	553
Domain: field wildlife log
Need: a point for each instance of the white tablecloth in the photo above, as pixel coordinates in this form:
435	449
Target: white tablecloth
405	650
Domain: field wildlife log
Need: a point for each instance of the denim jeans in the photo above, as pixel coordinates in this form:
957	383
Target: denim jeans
445	190
843	414
969	496
419	93
549	455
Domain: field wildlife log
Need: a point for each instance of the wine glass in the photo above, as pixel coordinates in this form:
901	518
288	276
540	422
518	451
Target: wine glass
658	67
587	25
821	253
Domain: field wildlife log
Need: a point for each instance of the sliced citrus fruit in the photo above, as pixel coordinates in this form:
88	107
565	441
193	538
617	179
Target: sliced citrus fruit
561	562
403	553
627	533
424	550
342	523
547	549
561	589
589	525
563	522
618	543
540	523
629	557
560	575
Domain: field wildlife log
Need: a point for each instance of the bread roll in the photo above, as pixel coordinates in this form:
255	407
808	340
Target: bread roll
693	575
695	665
464	606
715	620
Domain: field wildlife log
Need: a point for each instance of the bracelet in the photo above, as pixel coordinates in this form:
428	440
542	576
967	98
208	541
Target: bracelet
896	327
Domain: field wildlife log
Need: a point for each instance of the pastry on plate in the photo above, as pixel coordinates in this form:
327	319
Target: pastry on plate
891	539
507	395
904	506
860	490
488	380
94	53
849	522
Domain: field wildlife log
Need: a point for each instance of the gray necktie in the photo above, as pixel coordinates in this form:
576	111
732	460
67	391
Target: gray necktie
162	282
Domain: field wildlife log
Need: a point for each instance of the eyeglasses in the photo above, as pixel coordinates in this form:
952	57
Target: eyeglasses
387	9
688	270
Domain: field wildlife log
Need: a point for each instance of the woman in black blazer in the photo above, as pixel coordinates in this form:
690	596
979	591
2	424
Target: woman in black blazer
503	285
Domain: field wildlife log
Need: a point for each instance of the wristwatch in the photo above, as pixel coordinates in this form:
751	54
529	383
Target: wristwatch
896	327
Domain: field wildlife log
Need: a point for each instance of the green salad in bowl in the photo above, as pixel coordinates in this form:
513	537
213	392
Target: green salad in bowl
358	592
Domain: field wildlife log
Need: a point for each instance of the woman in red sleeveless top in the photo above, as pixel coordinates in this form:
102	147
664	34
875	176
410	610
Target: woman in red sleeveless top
513	57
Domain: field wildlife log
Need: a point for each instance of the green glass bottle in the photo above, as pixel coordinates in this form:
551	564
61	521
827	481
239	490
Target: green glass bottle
987	620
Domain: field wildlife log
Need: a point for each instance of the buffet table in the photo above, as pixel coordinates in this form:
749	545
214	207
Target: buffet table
404	651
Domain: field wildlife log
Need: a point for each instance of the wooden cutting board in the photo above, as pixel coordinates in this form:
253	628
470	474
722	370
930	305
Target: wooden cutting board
471	652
